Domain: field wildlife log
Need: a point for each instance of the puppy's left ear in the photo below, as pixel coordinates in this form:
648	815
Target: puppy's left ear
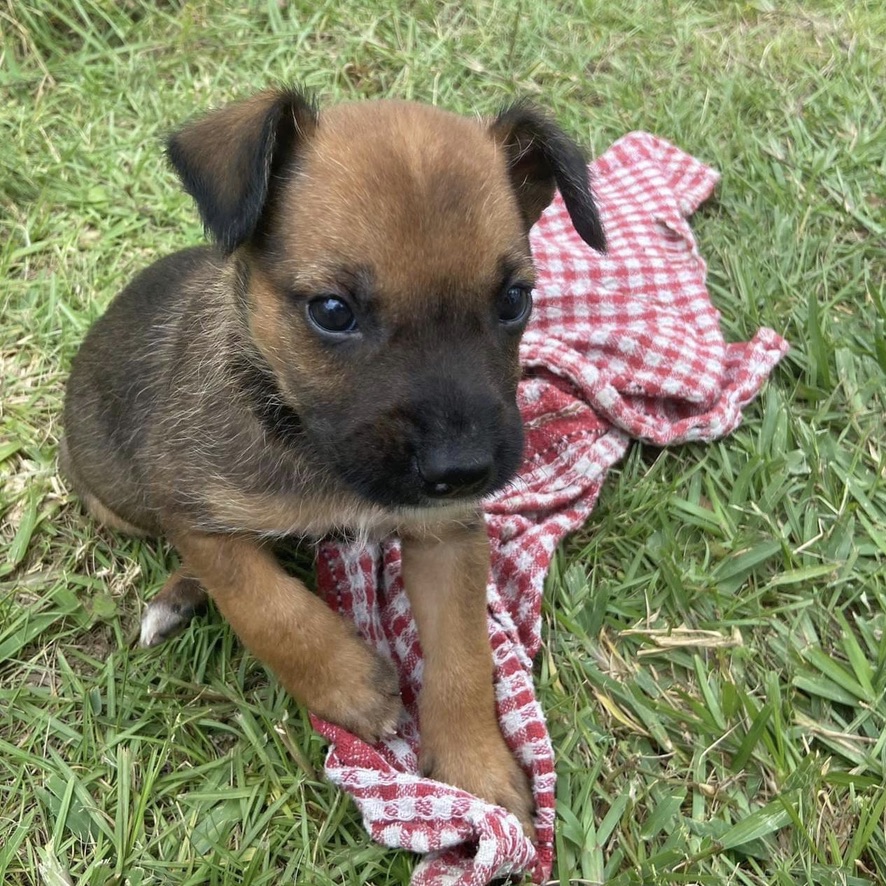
541	158
228	160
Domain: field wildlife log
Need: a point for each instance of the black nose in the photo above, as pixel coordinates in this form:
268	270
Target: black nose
452	472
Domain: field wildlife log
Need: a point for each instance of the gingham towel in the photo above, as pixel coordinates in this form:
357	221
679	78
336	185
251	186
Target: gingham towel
620	345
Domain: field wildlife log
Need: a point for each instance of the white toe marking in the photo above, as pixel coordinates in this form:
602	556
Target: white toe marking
159	623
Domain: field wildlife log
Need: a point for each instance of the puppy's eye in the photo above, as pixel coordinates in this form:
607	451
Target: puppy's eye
331	314
514	305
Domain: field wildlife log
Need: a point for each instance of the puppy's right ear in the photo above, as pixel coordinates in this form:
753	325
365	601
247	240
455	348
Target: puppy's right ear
226	159
541	157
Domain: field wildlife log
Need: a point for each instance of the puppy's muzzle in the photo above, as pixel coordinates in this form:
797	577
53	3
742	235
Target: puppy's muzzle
438	445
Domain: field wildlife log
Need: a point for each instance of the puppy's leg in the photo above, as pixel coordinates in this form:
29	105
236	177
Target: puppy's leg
170	612
445	575
315	654
99	511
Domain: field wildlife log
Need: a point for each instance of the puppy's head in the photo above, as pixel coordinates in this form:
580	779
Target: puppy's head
389	274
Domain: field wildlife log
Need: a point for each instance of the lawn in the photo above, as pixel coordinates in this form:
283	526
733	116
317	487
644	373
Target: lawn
747	748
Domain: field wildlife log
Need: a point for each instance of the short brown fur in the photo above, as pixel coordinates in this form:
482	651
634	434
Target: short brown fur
345	360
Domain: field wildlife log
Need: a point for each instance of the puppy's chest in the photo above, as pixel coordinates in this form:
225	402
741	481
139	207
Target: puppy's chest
229	509
281	515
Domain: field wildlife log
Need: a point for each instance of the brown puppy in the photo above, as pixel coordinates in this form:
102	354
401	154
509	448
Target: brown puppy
344	361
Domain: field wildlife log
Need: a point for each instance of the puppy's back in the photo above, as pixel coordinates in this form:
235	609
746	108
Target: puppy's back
118	378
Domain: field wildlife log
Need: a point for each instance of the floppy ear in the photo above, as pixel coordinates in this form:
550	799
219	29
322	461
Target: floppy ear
226	159
540	158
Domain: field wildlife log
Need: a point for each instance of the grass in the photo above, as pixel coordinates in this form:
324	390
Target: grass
714	667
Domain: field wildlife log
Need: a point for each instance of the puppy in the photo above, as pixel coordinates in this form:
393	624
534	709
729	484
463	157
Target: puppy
344	359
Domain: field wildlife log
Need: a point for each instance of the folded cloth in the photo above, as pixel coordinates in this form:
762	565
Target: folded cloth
623	345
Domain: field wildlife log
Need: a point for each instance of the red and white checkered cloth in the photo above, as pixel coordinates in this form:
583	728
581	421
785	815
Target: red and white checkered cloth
623	345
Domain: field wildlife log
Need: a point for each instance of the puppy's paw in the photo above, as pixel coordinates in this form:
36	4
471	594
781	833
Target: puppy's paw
364	695
486	769
171	611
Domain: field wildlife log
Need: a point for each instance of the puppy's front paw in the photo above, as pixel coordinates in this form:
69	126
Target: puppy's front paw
362	692
486	769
